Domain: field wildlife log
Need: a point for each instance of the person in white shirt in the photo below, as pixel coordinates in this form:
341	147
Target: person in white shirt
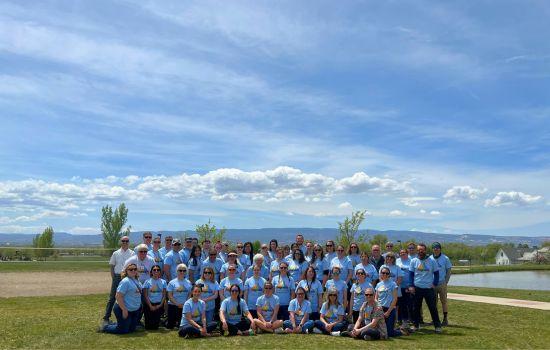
118	258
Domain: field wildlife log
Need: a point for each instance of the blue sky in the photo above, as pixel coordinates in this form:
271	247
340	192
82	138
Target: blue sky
431	116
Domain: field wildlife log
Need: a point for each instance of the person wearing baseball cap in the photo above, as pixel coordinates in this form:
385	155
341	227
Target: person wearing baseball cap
444	266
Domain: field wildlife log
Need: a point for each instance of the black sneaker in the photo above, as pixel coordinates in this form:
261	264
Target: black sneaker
345	334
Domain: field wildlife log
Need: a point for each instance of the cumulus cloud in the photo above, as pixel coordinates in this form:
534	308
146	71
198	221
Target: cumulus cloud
512	198
435	212
345	205
396	213
414	201
422	211
457	194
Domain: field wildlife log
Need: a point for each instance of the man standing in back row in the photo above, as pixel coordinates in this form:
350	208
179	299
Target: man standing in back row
444	266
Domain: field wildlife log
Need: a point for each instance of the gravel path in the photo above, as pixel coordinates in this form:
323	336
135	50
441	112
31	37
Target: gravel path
540	305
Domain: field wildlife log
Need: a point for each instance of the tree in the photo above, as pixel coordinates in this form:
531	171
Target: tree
256	246
378	239
44	240
545	244
348	229
210	232
112	224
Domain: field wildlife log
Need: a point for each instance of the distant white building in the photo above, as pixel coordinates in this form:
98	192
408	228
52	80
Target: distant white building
534	255
509	256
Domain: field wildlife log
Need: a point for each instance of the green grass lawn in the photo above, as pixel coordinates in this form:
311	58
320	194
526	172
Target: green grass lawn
60	265
71	322
538	295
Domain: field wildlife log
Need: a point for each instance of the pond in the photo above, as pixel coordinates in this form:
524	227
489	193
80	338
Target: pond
531	280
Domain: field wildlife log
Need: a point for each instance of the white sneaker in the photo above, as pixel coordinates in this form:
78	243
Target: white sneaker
317	331
335	334
279	331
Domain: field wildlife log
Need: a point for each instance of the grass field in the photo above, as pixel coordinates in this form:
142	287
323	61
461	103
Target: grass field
538	295
71	322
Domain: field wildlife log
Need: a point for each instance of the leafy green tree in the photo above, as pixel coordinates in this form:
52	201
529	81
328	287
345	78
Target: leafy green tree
349	229
44	240
112	224
209	231
379	239
256	246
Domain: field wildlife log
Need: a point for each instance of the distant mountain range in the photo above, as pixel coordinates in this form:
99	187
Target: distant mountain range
64	239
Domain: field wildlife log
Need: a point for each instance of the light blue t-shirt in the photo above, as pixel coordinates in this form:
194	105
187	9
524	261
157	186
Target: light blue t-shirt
157	257
255	288
226	266
229	307
264	272
332	313
163	252
173	259
327	260
194	267
404	265
283	287
359	290
155	288
274	268
245	261
443	264
131	289
395	273
209	288
299	310
319	267
296	270
355	259
226	284
193	308
313	290
344	264
385	292
216	265
370	270
267	305
143	266
340	286
423	272
180	290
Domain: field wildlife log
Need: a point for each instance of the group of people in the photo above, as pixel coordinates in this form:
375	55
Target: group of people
206	289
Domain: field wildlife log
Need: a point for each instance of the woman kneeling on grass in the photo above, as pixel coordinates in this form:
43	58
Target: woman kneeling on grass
193	321
154	293
232	311
299	310
370	324
332	314
128	303
267	307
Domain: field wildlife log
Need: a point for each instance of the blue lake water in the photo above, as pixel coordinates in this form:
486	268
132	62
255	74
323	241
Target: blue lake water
531	280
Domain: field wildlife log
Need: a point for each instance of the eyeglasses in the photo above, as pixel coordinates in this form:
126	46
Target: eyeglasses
268	288
143	251
384	273
234	290
369	294
155	270
132	269
231	269
239	247
360	273
207	272
330	245
352	247
335	272
333	295
340	250
125	241
283	268
177	243
182	270
148	237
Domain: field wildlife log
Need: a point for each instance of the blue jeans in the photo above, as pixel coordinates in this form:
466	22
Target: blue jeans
405	305
123	325
193	331
111	303
340	326
390	324
308	325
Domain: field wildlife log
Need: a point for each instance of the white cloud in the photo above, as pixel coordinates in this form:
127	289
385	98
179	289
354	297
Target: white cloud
414	201
396	213
512	198
84	230
435	212
458	193
345	205
422	211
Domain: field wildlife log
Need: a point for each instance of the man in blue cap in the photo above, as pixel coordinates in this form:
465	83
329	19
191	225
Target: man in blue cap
444	267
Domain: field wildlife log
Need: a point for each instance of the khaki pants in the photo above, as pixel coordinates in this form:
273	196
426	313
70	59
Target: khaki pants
441	293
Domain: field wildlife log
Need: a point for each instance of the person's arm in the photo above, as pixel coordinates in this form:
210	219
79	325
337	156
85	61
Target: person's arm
350	306
345	298
120	301
275	312
436	278
112	271
204	331
245	294
398	282
447	276
260	313
393	303
191	321
411	281
292	318
220	293
222	319
146	297
166	269
163	298
350	274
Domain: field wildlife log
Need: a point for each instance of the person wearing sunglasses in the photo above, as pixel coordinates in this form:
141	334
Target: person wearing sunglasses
267	308
411	250
297	266
253	289
209	291
147	238
358	290
155	253
330	253
299	310
167	246
154	295
232	260
258	261
264	251
206	246
284	289
331	320
143	262
234	316
354	254
214	262
389	248
314	291
228	281
370	324
317	262
386	295
344	263
195	263
172	259
193	321
178	292
405	302
128	303
396	274
248	255
309	251
339	285
274	267
371	274
116	263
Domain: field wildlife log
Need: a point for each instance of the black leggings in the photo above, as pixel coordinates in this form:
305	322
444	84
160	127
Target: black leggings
152	318
194	331
173	318
374	334
243	326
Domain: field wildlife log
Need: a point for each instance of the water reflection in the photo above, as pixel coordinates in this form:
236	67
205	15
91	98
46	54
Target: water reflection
530	280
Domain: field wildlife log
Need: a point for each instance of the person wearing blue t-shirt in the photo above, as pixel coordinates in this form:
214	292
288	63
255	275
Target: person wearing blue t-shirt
267	308
339	285
154	295
424	276
228	281
370	324
171	261
405	302
156	254
284	289
386	296
258	260
365	264
317	262
274	267
444	267
358	293
167	246
193	321
128	303
299	310
253	289
214	262
354	254
396	274
297	266
232	311
178	292
331	321
209	291
232	260
314	291
330	254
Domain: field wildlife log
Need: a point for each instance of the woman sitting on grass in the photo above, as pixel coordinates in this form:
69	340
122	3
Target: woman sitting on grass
299	310
232	311
370	324
193	321
267	308
128	303
154	295
332	314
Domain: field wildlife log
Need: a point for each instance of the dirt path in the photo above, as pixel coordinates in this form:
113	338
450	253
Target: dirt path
29	284
540	305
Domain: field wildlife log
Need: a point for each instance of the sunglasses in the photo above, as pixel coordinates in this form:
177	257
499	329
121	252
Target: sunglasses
239	247
207	272
333	295
132	269
330	245
318	250
283	268
340	250
212	254
268	288
360	273
125	241
143	251
300	294
148	237
155	270
182	270
177	243
231	269
234	291
352	247
384	273
369	294
156	242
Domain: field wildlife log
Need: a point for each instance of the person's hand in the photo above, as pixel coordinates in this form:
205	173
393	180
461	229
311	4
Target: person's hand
354	333
433	287
268	324
329	327
298	329
180	306
411	290
387	314
203	331
125	314
224	326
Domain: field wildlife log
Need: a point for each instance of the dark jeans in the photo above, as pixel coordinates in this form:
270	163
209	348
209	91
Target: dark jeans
314	316
429	295
374	334
355	316
173	318
254	313
283	312
405	305
308	325
390	324
194	331
111	302
340	326
152	318
243	326
123	325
